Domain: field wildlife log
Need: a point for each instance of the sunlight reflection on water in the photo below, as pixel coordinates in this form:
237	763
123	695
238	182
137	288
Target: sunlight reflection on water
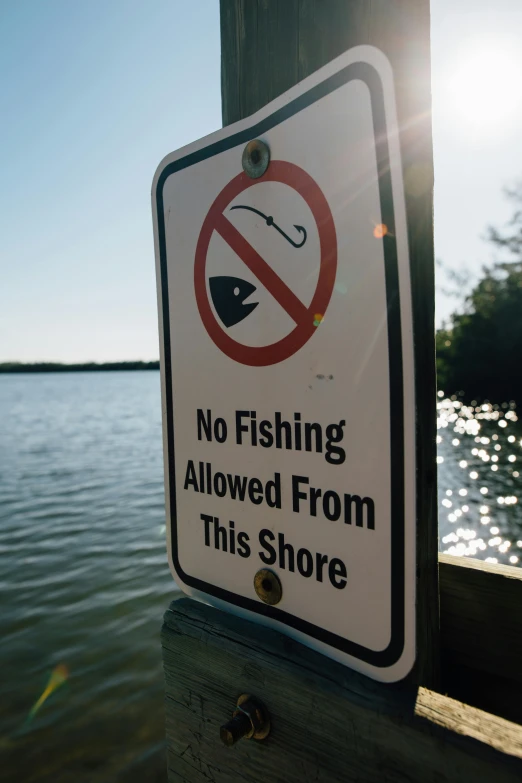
478	450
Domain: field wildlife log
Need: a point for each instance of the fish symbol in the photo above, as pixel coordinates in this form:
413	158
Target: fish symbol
228	295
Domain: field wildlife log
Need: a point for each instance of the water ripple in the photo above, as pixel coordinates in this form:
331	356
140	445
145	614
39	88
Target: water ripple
83	574
479	447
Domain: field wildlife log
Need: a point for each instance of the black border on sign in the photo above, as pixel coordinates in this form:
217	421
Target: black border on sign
369	75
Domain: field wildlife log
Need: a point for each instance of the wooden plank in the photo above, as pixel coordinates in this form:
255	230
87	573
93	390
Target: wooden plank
269	45
481	615
328	723
481	634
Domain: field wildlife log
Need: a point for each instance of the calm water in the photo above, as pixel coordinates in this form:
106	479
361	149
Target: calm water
83	574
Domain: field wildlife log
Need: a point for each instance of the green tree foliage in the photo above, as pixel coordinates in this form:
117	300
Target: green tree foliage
481	353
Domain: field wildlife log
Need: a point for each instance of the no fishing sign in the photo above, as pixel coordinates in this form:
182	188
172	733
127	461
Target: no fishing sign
287	368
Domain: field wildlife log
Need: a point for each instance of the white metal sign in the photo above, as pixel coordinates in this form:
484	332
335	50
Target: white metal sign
287	369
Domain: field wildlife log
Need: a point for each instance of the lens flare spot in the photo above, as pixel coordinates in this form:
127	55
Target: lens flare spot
59	675
380	230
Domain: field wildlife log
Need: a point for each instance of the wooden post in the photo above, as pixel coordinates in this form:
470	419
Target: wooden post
328	722
267	46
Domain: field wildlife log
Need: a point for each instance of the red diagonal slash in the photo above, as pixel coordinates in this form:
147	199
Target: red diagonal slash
263	271
215	221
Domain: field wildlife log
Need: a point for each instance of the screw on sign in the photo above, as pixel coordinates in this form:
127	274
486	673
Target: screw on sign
228	293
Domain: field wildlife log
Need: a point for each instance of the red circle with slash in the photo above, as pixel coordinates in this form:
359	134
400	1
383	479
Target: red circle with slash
261	356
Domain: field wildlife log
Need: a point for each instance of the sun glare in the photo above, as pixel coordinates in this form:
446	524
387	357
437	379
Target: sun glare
481	90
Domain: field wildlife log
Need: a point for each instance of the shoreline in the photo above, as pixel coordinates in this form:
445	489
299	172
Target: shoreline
8	368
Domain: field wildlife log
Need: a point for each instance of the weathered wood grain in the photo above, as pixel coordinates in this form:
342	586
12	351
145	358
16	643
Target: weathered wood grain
481	611
481	634
267	46
329	723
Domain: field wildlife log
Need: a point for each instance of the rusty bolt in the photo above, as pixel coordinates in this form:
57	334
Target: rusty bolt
250	720
255	158
268	586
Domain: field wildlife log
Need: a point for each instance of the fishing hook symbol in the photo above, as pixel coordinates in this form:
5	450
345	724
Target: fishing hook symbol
270	222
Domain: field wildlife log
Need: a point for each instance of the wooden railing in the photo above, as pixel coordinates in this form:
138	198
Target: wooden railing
481	634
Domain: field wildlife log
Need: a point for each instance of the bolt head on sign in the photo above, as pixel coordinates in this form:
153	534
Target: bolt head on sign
287	368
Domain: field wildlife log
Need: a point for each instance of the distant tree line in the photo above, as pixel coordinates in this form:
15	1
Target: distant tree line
14	367
479	354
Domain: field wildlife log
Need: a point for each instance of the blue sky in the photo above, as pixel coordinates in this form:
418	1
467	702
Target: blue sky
94	94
